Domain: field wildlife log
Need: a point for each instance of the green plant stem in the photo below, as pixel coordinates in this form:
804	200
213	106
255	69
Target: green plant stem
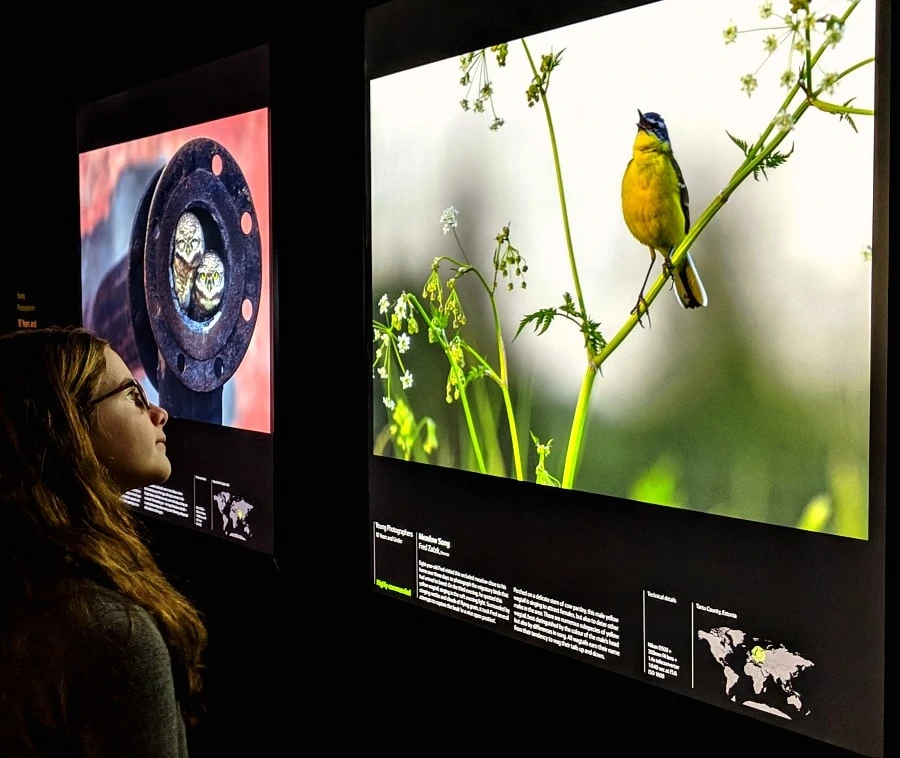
833	107
559	186
510	415
756	155
579	421
504	386
470	422
461	248
502	382
502	377
808	60
460	381
855	66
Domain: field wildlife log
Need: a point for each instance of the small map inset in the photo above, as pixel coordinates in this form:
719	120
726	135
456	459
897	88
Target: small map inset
758	673
234	515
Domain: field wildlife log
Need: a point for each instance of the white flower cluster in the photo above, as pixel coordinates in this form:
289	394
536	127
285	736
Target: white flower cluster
448	219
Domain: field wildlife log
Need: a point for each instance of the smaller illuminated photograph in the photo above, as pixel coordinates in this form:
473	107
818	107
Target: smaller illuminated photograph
175	266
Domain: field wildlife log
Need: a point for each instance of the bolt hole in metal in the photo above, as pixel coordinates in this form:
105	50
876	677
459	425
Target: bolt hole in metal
218	367
246	228
216	164
181	363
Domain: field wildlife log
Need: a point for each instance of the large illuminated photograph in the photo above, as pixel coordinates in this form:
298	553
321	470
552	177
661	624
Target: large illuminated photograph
632	256
175	265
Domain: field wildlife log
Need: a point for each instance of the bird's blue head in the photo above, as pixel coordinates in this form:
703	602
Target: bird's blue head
653	123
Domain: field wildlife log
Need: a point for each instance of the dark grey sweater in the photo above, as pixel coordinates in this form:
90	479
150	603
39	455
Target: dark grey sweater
99	686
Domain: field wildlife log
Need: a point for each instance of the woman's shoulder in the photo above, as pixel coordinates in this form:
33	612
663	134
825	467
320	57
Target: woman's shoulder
87	635
88	616
111	610
92	663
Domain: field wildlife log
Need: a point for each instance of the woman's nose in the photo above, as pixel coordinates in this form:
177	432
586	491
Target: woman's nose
160	415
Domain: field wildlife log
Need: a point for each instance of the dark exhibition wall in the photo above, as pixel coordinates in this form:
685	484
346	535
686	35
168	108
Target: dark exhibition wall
300	648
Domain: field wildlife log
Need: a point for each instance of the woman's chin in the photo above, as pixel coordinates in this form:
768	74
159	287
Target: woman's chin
159	475
165	472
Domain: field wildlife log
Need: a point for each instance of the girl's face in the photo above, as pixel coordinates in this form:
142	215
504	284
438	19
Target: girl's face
128	434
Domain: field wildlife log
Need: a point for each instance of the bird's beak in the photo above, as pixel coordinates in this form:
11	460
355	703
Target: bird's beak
641	123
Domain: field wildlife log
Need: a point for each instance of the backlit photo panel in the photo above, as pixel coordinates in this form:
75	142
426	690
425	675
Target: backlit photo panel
176	265
505	274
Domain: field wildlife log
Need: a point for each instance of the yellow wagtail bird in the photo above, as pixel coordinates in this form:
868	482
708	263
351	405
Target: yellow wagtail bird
655	207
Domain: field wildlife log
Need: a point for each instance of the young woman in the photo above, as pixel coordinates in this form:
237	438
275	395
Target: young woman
99	654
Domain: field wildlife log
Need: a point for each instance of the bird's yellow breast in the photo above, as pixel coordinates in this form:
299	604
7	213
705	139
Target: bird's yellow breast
651	198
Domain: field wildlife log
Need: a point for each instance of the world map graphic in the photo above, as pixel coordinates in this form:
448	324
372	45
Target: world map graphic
758	673
234	514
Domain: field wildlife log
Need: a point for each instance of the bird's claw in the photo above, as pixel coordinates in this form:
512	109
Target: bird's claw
667	266
637	311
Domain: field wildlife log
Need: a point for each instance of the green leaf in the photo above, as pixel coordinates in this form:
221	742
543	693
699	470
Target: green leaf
542	476
541	319
773	161
593	339
745	148
847	117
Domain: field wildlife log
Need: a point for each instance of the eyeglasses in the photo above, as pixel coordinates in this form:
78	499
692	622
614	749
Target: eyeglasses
140	401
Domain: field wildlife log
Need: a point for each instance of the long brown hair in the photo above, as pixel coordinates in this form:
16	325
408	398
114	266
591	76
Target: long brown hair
63	516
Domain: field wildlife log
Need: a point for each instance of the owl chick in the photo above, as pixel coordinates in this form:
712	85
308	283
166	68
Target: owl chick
189	246
209	284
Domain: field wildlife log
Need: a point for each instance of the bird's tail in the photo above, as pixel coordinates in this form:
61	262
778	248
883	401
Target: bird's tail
688	287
